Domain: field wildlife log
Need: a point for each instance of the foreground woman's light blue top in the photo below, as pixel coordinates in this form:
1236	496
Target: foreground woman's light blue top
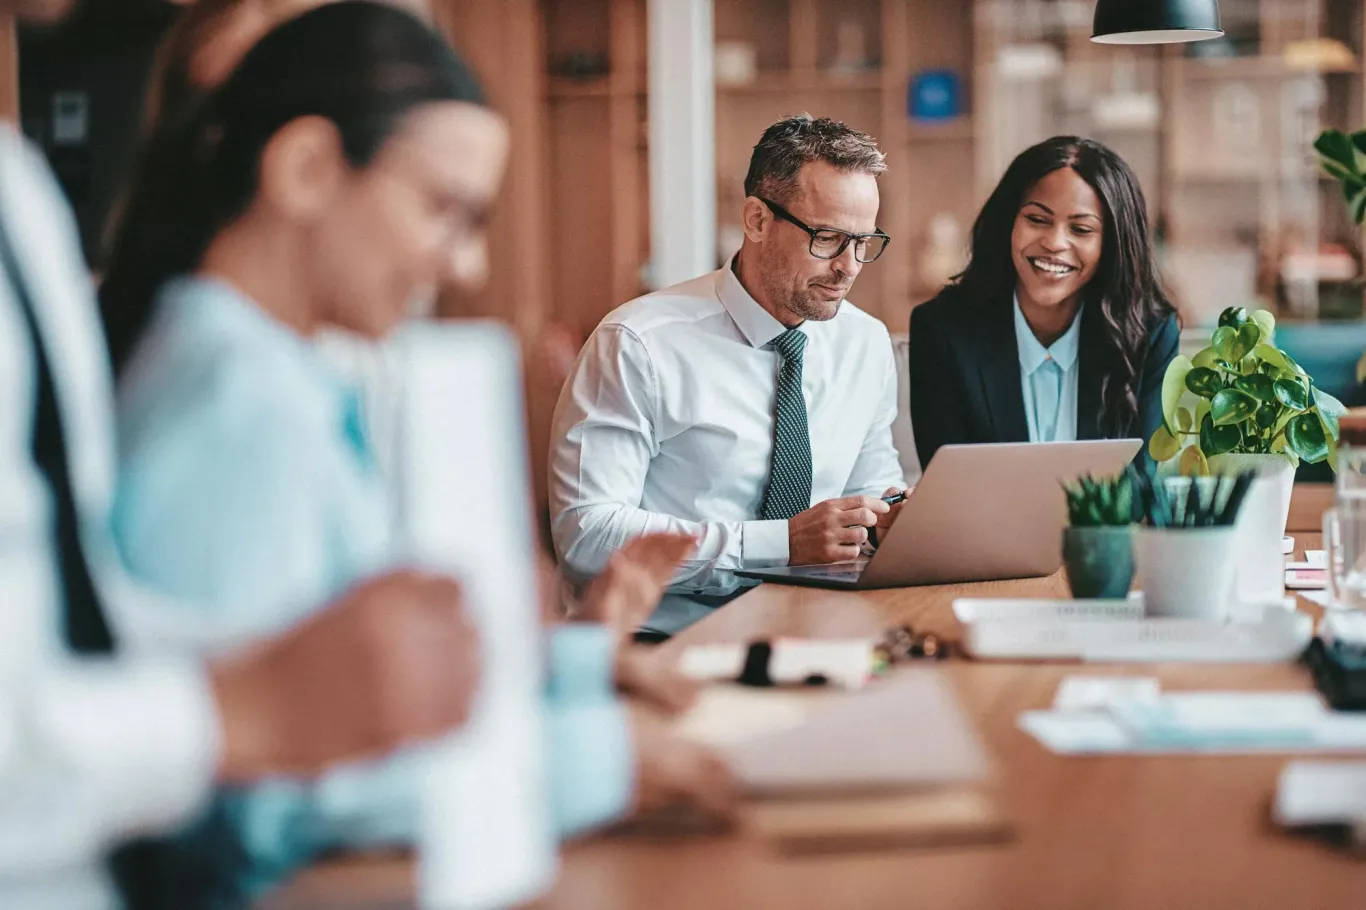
248	487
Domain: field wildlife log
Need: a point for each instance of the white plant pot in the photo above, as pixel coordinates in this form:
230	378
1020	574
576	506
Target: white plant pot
1261	524
1186	573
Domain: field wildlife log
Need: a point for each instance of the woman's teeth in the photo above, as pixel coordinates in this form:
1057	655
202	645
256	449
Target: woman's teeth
1055	269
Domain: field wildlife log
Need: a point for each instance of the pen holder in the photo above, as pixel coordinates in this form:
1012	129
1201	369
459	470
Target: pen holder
1185	573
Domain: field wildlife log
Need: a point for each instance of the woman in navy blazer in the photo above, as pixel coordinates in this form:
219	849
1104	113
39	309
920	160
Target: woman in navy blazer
1063	237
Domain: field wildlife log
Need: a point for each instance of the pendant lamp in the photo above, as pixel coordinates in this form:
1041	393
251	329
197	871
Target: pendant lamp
1156	21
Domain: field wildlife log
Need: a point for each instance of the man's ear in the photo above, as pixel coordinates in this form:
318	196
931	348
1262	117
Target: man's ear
756	220
302	167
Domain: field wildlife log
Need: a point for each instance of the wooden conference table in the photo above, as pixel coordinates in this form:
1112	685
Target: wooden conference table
1117	833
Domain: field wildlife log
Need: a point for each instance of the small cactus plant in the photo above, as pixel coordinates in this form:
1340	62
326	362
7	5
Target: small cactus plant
1107	502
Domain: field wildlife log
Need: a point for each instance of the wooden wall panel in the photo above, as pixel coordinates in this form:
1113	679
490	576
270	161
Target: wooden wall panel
9	69
503	41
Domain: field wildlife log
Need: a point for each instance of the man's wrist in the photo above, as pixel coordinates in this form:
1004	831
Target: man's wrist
245	712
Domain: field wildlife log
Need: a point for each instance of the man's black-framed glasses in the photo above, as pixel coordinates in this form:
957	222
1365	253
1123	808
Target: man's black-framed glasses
828	243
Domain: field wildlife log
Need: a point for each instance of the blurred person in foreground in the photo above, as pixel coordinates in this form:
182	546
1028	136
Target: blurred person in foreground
109	730
203	45
345	166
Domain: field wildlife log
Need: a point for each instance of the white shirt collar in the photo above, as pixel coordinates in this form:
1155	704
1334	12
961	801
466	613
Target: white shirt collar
757	324
1034	355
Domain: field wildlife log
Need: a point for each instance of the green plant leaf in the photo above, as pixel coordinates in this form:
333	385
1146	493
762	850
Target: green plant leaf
1233	316
1203	381
1356	204
1201	411
1306	438
1329	409
1328	406
1163	446
1267	415
1173	387
1293	365
1248	337
1185	421
1194	463
1292	394
1218	440
1229	344
1206	358
1343	175
1336	147
1267	323
1257	385
1231	406
1267	354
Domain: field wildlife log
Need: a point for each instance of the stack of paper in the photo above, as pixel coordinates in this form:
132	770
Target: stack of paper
1127	719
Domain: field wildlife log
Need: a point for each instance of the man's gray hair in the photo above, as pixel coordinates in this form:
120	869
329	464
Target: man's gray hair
800	139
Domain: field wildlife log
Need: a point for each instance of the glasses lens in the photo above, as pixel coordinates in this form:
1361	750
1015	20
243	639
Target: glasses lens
869	248
828	244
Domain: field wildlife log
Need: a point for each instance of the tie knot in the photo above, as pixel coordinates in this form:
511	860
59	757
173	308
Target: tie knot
791	344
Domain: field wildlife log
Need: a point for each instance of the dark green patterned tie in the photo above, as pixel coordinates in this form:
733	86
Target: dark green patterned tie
789	478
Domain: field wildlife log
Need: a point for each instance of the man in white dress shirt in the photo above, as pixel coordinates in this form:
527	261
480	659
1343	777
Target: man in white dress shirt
751	407
106	731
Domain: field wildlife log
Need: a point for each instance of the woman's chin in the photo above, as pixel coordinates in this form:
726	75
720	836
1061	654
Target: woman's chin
1049	295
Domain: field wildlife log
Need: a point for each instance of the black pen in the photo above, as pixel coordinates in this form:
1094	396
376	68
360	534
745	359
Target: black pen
892	500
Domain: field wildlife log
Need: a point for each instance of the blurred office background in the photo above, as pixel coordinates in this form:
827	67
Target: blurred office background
633	122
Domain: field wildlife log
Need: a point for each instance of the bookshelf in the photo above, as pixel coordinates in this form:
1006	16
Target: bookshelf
800	66
1232	195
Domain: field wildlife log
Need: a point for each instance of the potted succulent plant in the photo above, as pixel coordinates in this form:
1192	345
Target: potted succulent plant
1096	543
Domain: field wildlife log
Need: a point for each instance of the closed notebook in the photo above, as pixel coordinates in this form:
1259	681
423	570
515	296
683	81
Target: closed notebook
895	765
904	732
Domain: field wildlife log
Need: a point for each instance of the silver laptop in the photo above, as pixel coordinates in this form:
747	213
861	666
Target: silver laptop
979	513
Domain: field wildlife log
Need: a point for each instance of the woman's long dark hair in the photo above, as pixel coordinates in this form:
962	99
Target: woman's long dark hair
362	65
1126	292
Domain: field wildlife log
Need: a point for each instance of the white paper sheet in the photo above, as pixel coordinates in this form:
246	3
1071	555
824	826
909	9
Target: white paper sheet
1083	693
1321	793
1201	722
486	839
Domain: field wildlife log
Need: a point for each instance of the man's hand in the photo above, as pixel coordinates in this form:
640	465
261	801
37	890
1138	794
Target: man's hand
646	674
392	662
673	771
884	522
630	587
832	531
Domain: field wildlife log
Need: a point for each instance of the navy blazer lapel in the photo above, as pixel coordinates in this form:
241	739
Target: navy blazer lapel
1090	372
999	369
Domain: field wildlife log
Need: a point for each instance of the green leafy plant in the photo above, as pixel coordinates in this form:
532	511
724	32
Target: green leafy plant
1343	156
1243	395
1108	502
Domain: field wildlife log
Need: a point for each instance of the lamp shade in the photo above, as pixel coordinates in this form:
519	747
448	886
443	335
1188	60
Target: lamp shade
1155	21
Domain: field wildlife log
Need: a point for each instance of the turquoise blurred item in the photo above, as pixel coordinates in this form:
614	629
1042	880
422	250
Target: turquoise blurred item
935	96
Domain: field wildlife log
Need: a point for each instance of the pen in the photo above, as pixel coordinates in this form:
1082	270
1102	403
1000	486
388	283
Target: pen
892	500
